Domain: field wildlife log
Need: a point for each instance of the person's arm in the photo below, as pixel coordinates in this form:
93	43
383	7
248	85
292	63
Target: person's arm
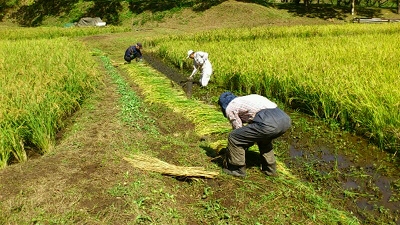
139	54
233	117
194	71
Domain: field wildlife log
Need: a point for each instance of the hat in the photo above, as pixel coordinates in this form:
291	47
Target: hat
189	53
224	100
139	44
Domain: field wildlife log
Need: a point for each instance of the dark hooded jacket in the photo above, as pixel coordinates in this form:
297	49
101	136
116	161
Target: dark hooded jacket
224	100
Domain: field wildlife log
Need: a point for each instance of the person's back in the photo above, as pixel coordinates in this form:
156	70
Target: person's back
133	52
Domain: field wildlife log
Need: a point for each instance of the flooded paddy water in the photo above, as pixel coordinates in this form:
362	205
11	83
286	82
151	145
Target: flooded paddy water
344	167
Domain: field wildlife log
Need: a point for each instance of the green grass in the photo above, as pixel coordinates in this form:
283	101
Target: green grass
131	104
158	89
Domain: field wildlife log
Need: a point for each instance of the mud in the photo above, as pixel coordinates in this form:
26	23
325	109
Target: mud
170	72
337	164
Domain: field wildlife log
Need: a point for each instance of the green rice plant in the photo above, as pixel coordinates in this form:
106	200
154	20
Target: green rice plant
56	32
343	73
11	143
42	82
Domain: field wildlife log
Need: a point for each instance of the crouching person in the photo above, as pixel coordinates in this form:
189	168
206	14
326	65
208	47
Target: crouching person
265	122
133	52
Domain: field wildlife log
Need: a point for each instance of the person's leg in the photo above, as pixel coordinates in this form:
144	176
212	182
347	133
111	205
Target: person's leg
206	74
273	124
127	59
267	157
238	141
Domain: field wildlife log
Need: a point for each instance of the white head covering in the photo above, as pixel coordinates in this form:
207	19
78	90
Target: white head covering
189	53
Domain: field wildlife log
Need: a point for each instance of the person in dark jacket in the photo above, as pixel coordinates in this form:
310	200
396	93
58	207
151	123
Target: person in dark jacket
264	122
133	52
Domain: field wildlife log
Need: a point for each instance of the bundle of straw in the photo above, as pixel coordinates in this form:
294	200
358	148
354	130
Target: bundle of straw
148	163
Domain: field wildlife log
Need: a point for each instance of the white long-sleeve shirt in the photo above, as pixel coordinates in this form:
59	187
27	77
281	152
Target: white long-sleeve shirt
243	109
198	61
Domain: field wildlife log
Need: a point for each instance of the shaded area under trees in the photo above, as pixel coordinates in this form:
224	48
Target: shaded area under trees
34	12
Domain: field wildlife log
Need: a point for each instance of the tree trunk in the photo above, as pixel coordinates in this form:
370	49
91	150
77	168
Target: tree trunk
353	3
398	7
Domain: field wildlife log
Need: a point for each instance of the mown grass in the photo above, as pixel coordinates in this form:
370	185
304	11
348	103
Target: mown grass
158	89
341	73
42	82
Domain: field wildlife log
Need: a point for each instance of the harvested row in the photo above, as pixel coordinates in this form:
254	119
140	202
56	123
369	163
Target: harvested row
157	88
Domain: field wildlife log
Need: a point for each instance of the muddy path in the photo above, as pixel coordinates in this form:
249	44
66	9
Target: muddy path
338	164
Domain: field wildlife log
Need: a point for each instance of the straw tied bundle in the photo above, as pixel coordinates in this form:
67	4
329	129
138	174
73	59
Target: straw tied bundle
152	164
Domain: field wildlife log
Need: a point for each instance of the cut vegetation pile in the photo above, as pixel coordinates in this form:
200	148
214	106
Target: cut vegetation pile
145	162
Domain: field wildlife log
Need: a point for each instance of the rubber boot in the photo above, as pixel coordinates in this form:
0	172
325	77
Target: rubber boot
237	171
269	169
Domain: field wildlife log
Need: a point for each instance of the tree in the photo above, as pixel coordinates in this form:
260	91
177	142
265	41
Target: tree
398	7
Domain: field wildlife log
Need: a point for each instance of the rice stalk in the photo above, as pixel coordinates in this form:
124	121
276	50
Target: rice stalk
148	163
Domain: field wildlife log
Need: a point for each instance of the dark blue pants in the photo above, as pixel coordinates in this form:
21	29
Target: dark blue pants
267	125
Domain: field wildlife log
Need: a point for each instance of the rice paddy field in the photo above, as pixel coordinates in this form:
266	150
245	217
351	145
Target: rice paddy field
345	74
44	76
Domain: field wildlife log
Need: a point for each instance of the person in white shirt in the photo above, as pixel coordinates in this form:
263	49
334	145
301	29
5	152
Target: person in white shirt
202	63
254	119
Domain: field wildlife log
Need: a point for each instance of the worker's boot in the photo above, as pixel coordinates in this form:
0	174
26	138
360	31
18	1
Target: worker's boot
269	169
237	171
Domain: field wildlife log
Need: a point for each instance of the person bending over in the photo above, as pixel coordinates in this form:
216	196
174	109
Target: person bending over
264	122
202	63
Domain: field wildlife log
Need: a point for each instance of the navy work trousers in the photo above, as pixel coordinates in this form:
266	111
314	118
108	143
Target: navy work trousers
267	125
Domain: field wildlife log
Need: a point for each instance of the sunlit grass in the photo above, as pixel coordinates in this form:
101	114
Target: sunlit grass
342	73
42	82
55	32
158	89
